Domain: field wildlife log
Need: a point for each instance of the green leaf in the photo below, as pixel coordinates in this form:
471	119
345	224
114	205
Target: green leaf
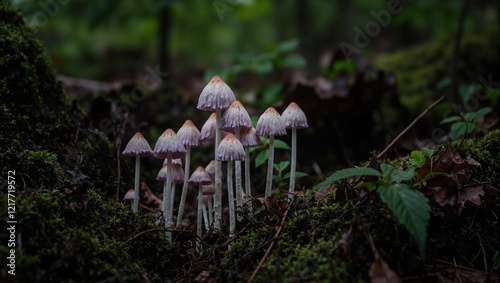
410	207
293	61
428	152
281	144
446	81
281	166
261	158
297	175
347	173
272	94
288	45
458	129
403	175
369	185
451	119
417	158
466	92
481	112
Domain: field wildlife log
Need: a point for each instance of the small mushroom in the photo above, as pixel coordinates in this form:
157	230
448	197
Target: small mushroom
168	146
199	177
130	196
190	137
294	119
230	149
208	190
234	119
248	139
137	146
270	124
216	96
210	168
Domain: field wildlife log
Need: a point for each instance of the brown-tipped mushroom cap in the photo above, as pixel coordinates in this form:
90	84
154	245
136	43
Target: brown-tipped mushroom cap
270	123
189	134
294	117
215	95
208	189
230	148
208	130
210	168
249	137
138	146
129	195
177	174
235	116
167	143
199	177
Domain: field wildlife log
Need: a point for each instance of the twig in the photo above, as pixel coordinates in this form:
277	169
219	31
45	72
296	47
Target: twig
411	125
276	235
153	230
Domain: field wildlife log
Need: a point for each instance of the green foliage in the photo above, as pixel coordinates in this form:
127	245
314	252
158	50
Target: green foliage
464	123
263	154
281	177
408	205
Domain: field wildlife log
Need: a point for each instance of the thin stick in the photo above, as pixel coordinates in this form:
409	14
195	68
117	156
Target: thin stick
409	126
276	235
152	230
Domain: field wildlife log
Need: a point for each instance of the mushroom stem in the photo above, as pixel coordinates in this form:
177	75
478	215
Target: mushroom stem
205	217
237	170
218	176
248	189
293	163
135	204
270	161
200	211
180	214
230	198
166	194
210	212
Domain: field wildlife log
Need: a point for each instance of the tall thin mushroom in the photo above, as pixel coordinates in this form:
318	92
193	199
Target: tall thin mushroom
270	124
168	146
230	149
199	177
216	96
235	119
248	139
137	146
294	119
190	137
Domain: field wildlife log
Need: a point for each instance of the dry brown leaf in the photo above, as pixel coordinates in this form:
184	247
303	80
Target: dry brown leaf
380	272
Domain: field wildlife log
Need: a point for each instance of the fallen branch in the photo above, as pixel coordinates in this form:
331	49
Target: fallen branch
276	235
411	125
154	230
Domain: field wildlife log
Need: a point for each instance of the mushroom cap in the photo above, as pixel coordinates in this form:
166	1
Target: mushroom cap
208	130
199	177
230	148
294	117
208	189
215	95
235	116
249	137
177	174
175	161
189	134
210	168
138	146
167	143
129	195
270	123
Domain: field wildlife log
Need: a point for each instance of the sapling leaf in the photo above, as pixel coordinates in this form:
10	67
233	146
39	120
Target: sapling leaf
417	158
281	144
261	158
281	166
458	129
347	173
369	185
428	152
481	112
410	207
451	119
403	175
297	175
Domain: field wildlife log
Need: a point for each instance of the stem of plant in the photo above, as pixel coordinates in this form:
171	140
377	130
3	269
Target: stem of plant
166	201
200	211
218	176
210	212
230	199
135	206
180	214
237	173
293	163
205	217
270	161
248	189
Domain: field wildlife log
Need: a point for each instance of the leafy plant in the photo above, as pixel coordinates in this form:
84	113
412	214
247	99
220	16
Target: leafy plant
409	206
283	178
464	122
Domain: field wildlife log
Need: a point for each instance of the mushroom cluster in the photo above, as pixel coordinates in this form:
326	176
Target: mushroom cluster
232	134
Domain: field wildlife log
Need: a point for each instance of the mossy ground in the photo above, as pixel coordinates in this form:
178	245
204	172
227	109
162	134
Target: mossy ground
71	228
